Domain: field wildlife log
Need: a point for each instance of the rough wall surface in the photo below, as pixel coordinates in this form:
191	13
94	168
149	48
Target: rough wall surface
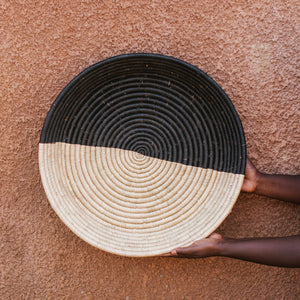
249	47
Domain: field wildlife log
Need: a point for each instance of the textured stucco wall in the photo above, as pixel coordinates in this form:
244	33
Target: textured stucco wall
249	47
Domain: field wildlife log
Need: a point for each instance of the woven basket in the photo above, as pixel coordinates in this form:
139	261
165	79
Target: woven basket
142	153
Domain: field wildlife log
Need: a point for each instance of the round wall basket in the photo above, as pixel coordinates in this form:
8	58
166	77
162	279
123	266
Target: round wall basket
142	153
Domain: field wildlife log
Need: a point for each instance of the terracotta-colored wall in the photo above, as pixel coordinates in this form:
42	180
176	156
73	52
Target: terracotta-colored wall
249	47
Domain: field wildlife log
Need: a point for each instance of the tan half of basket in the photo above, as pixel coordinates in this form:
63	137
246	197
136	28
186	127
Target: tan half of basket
129	204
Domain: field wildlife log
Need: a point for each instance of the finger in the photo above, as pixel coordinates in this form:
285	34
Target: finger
215	235
246	186
182	251
173	253
185	255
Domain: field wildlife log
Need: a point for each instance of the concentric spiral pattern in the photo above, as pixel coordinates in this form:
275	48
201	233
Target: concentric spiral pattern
142	153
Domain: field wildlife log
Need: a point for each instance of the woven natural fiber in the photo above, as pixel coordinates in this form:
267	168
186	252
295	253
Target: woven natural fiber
142	153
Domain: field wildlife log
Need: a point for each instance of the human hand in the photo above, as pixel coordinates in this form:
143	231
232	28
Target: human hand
281	187
199	249
251	178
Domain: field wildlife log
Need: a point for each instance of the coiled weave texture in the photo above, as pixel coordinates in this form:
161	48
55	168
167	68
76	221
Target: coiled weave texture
142	153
